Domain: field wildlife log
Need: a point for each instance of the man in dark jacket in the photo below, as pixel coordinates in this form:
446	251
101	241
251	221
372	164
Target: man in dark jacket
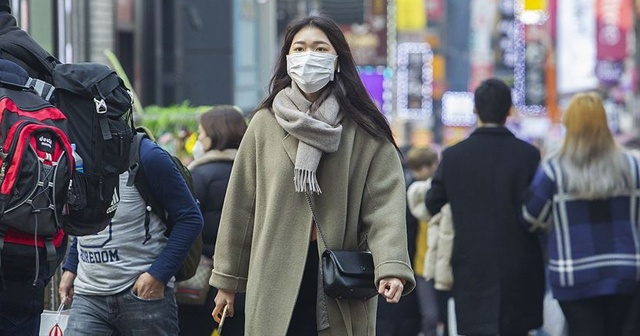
497	266
22	298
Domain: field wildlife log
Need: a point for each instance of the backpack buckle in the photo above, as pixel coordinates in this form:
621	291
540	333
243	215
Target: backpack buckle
101	106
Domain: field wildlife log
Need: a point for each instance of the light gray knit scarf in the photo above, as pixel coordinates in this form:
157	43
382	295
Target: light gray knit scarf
318	132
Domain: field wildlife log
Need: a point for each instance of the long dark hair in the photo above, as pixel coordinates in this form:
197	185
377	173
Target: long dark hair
356	105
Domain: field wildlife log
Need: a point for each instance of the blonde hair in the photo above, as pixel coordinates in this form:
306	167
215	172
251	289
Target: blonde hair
593	162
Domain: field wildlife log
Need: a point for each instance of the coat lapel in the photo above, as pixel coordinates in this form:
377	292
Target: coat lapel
290	144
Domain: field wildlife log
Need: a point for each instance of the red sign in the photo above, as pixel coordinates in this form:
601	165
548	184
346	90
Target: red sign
614	18
435	10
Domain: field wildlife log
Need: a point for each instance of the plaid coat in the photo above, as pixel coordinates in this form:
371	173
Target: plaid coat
593	246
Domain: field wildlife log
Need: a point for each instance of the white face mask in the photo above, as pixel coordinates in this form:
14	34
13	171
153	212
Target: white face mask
198	150
311	70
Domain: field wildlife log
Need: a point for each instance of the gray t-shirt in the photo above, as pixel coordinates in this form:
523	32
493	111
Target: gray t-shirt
111	260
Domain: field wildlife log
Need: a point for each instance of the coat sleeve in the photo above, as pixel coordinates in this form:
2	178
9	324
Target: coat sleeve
538	205
383	214
233	245
176	199
436	196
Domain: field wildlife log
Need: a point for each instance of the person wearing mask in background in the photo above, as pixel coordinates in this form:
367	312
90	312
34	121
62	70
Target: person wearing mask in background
220	131
319	138
130	291
584	198
498	271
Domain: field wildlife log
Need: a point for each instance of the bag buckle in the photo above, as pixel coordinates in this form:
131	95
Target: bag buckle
101	106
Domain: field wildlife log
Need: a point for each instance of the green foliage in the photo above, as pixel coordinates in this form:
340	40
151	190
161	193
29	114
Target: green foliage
171	119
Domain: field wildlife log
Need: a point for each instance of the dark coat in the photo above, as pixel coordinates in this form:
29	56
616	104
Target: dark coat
210	180
498	270
402	318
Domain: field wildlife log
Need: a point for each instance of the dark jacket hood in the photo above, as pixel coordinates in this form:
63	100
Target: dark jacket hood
5	6
7	22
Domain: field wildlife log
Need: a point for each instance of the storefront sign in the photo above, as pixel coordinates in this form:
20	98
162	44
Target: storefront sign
576	46
414	80
505	62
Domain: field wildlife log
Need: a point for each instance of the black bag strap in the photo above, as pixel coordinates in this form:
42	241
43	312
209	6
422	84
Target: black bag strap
52	256
137	178
315	219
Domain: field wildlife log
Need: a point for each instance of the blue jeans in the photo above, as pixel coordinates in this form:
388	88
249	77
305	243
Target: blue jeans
123	314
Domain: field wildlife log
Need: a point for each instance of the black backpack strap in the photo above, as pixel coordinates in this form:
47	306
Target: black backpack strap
52	255
137	178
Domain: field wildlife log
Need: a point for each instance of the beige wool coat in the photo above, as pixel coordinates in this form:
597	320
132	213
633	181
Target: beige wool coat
265	227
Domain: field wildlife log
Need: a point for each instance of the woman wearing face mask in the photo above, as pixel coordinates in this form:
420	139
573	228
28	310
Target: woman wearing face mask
317	134
220	131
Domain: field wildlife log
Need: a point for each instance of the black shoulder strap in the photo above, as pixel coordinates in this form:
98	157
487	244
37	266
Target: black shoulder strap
137	178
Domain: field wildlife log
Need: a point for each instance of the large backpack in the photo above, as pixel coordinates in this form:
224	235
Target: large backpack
36	167
98	106
137	178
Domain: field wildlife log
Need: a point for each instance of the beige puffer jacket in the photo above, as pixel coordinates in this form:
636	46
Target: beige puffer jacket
440	245
437	264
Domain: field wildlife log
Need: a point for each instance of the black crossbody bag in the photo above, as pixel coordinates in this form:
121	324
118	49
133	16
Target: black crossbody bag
345	274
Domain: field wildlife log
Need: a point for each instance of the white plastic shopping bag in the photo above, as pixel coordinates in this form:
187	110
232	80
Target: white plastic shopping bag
53	323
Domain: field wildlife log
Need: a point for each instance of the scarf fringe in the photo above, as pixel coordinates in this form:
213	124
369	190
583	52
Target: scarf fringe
305	180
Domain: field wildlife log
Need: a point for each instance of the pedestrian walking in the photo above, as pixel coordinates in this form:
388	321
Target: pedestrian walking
498	274
220	131
584	198
22	298
120	280
317	137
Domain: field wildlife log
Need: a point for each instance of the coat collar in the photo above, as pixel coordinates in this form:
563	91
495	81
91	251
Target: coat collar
228	154
500	130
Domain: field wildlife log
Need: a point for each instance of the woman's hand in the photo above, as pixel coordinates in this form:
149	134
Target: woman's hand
222	299
391	289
